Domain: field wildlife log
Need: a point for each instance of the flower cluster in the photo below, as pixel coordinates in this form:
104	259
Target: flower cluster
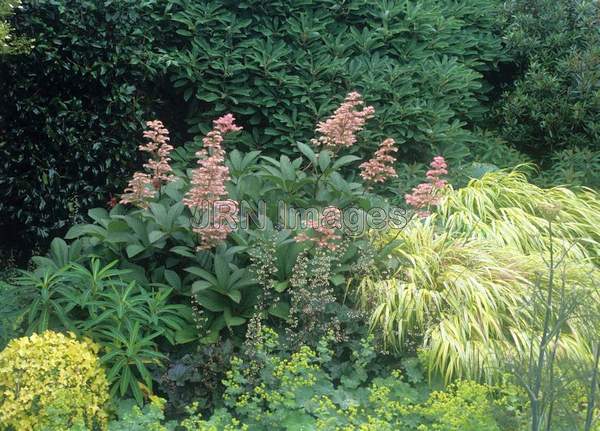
143	186
339	130
208	181
324	235
381	166
425	194
159	148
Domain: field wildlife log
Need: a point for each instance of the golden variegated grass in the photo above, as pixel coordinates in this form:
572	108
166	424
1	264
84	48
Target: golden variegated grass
468	270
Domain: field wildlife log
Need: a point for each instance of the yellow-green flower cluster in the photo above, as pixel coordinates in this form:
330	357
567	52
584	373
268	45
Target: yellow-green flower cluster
51	381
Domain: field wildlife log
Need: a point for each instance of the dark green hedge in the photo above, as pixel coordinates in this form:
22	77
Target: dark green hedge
72	110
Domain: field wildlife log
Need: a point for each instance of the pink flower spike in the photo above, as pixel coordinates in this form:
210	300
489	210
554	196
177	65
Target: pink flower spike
226	124
381	166
425	195
339	130
208	191
142	186
139	190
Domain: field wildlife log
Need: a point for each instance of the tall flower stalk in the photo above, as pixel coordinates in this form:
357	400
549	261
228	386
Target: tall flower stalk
144	185
208	192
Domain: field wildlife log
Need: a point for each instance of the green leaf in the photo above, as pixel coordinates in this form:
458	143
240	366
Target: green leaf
173	279
344	160
221	270
187	334
204	274
324	159
85	229
98	214
235	295
182	250
308	152
281	286
337	279
211	300
134	249
155	235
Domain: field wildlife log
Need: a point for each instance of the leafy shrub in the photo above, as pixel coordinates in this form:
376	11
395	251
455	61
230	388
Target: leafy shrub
71	110
275	64
555	103
460	288
195	376
51	381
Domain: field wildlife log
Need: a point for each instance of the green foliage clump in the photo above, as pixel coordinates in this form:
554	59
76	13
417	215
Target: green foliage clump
460	287
147	418
71	110
555	102
575	167
52	381
276	64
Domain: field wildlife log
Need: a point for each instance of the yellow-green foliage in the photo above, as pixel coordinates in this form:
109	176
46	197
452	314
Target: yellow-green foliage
51	381
506	209
467	271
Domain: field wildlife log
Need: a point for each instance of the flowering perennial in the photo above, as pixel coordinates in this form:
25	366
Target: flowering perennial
339	130
324	229
381	166
208	190
426	194
143	186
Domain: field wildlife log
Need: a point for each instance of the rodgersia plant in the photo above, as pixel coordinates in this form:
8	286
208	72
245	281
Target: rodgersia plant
339	131
381	166
176	225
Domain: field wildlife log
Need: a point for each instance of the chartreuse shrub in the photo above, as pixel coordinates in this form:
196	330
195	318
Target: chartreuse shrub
464	274
52	381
